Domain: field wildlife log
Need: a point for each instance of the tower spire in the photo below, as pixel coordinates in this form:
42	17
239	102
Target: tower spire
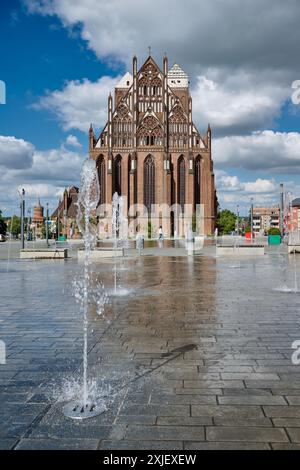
208	136
91	137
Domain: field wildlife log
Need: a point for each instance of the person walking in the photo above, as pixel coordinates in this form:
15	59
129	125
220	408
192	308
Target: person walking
160	233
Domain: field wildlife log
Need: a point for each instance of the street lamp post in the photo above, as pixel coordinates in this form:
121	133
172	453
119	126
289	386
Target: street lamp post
47	224
237	220
29	225
58	225
281	210
22	218
65	223
251	215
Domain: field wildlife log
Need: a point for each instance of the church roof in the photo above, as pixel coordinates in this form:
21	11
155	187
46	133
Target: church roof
126	81
177	78
71	201
177	83
296	202
177	72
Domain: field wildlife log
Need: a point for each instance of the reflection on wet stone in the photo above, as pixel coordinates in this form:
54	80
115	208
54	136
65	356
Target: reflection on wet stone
196	355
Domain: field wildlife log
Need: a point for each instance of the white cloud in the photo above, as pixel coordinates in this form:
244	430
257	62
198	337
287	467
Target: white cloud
15	153
261	186
48	172
227	182
265	150
232	107
72	141
241	63
41	190
10	195
232	184
240	104
262	32
58	165
241	67
232	191
79	103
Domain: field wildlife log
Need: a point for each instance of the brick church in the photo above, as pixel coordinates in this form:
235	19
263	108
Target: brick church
151	152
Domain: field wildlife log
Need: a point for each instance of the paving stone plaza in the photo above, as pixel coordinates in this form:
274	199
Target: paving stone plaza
193	353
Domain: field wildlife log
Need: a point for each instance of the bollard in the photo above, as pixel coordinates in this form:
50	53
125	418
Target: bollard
140	243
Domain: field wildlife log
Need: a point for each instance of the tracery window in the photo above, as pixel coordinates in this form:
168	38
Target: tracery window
101	178
197	176
181	182
117	175
122	127
150	83
150	132
149	182
178	128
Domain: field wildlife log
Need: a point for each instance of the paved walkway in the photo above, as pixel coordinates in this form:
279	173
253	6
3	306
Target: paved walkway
196	354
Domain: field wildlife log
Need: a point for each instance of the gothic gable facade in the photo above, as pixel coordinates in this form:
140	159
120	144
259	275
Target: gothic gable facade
150	149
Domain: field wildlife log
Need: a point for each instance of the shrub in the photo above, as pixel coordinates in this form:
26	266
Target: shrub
273	231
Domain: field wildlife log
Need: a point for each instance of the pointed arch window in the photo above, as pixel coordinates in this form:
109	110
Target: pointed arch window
101	178
129	170
149	182
117	187
181	182
197	173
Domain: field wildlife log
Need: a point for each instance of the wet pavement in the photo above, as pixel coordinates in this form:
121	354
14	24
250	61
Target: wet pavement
195	353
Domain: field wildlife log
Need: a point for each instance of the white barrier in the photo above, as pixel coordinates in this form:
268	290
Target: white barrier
100	253
46	253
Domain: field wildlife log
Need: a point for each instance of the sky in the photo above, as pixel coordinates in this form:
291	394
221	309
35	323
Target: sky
59	59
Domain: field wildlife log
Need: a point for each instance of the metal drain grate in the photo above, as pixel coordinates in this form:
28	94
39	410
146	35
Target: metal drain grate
79	411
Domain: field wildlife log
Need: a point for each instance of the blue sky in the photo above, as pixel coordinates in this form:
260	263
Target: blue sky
54	54
38	54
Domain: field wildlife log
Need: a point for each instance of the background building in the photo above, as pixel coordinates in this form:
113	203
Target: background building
64	216
293	216
150	150
37	221
265	218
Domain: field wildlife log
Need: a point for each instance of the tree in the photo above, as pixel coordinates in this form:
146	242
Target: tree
3	226
15	225
274	231
226	222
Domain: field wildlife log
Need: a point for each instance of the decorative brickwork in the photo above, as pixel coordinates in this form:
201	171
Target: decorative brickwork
150	139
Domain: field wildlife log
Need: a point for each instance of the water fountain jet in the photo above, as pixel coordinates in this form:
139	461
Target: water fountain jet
119	232
87	202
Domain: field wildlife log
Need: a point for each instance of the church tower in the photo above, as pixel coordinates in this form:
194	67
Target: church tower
150	149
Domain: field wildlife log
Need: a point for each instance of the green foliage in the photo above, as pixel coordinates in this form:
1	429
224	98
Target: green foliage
15	226
226	222
273	231
3	226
